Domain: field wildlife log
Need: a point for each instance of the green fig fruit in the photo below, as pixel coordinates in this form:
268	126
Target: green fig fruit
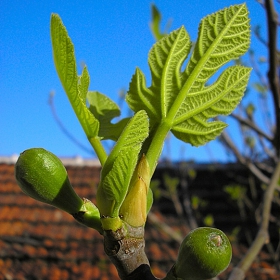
42	176
204	253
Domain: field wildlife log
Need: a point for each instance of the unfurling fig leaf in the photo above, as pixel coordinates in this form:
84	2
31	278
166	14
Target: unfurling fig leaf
42	176
155	23
113	187
118	169
105	110
204	253
182	100
75	87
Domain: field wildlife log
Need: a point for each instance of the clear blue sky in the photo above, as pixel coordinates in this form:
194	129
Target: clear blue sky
111	37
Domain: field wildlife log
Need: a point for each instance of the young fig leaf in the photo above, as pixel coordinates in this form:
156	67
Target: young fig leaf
155	23
75	87
119	167
165	60
221	98
132	137
183	100
105	110
113	187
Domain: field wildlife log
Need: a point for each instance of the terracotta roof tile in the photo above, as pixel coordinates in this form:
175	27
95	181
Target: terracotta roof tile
41	242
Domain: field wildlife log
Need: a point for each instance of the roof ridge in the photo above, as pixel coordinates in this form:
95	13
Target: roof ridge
67	161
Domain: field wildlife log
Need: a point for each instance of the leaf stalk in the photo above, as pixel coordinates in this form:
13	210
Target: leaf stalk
155	149
99	149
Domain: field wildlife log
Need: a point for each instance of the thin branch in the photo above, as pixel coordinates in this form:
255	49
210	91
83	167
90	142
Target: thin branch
264	83
256	68
259	37
253	126
63	128
270	152
273	63
262	237
165	228
183	174
252	167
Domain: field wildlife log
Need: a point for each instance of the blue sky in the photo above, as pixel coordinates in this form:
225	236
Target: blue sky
111	37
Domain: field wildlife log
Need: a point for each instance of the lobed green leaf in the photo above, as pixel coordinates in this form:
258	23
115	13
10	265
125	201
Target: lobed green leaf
223	36
105	110
181	99
75	87
165	60
191	122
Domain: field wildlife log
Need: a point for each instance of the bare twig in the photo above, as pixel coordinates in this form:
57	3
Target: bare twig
264	83
63	128
187	197
262	237
165	228
249	164
272	21
253	126
270	152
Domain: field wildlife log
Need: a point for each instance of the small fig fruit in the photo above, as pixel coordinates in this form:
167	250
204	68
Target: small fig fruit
204	253
42	176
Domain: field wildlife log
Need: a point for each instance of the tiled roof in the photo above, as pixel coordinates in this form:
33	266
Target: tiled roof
38	241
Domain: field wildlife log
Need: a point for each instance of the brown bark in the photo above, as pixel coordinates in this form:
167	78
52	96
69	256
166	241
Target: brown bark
125	247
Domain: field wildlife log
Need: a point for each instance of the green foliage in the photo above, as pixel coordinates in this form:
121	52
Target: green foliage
236	192
197	202
208	220
105	110
179	100
171	183
120	165
250	110
182	100
76	87
155	24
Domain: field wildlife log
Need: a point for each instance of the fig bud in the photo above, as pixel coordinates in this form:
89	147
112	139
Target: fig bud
134	208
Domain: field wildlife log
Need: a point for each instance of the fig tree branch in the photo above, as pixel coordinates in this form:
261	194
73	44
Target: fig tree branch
272	20
248	163
253	126
263	236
